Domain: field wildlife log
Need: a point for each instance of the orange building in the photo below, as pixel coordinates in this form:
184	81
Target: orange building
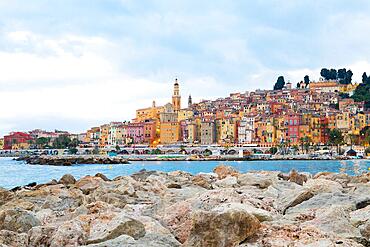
169	132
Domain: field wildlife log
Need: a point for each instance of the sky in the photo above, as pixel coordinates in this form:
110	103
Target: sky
75	64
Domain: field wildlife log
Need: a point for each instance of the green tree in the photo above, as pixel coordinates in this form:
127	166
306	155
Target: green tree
333	74
280	83
364	77
348	77
118	148
42	142
305	143
343	95
273	150
342	73
325	73
72	150
362	92
306	80
335	138
62	141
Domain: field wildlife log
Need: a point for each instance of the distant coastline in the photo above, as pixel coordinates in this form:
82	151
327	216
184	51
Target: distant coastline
69	160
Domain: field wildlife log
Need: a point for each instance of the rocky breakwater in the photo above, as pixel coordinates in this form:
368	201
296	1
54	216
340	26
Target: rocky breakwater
224	208
71	160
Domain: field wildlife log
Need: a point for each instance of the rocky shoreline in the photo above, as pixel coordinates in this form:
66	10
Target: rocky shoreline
224	208
71	160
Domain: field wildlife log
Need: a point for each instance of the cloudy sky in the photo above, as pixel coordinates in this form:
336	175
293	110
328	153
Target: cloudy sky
74	64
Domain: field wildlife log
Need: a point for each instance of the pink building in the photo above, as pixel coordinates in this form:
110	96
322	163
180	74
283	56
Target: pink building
135	132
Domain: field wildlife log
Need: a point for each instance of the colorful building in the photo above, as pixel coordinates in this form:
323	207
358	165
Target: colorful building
170	132
17	140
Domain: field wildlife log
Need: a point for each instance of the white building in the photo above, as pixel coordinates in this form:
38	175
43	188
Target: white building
246	130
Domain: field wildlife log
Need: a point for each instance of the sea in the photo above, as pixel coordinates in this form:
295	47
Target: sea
18	173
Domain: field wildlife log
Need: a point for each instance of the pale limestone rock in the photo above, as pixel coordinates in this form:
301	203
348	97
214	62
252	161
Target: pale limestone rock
89	183
223	171
17	220
221	227
10	238
109	226
227	182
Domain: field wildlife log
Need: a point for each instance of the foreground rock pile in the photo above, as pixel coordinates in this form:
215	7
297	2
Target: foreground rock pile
224	208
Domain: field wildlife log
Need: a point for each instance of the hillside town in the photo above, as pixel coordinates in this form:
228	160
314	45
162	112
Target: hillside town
302	116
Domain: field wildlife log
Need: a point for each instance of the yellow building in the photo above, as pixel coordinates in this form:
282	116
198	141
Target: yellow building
343	121
1	143
184	114
169	132
358	122
92	135
226	131
192	132
315	128
270	133
325	86
304	131
348	88
19	146
332	121
152	112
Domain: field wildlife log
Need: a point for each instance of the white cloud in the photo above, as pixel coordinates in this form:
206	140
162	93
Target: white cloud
75	80
57	66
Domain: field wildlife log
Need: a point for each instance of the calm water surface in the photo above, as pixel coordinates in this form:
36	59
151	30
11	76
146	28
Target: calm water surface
16	173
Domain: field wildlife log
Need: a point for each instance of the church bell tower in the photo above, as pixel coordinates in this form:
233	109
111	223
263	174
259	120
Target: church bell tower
190	101
176	98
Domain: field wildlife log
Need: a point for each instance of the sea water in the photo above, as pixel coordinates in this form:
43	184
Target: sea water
17	173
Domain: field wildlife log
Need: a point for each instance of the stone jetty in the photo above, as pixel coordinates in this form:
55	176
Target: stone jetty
69	160
220	209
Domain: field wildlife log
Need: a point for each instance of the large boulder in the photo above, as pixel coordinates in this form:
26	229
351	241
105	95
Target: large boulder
102	176
70	233
292	198
260	214
203	180
324	200
227	182
10	238
41	235
17	220
5	196
297	178
151	240
282	235
142	175
67	179
223	171
365	230
317	186
221	227
360	216
18	203
334	220
178	219
254	179
88	184
109	226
